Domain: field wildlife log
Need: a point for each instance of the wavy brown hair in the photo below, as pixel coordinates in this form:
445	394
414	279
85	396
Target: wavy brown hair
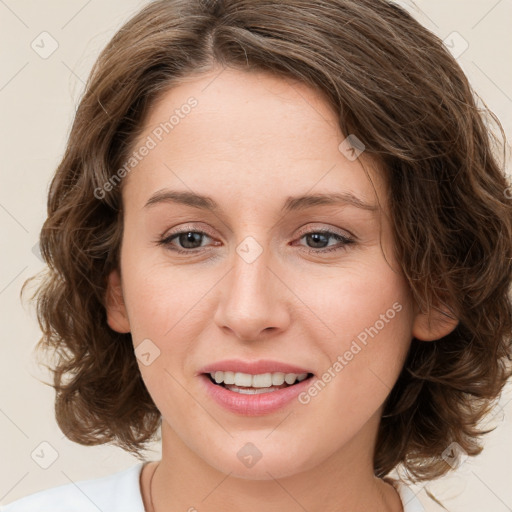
391	83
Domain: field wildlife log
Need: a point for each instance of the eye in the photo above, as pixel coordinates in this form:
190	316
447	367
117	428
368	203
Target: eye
320	240
190	241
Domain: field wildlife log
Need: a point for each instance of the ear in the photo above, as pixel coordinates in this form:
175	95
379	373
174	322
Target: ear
434	324
117	316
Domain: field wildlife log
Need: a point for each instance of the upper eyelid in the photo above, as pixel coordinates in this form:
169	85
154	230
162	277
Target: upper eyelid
304	229
327	229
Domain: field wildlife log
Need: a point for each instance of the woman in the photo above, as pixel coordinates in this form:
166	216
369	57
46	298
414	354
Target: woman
278	233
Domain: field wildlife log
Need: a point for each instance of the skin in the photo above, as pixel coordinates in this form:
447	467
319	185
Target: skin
252	141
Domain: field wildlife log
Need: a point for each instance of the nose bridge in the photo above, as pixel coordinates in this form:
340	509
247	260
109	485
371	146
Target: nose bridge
253	299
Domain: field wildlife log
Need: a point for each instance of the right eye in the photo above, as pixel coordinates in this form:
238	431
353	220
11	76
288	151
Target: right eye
188	239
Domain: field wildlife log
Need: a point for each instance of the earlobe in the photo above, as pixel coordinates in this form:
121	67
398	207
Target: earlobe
434	324
117	317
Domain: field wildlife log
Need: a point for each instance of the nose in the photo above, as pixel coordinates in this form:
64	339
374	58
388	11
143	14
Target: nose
253	300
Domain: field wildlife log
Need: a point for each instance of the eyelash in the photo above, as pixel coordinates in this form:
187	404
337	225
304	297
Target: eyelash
166	241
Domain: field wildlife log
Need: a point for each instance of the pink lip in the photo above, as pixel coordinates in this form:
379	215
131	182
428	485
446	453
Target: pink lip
253	405
252	367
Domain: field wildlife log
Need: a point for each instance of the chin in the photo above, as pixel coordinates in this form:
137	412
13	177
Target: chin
263	460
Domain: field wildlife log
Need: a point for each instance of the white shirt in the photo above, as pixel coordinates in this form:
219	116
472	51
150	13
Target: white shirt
120	492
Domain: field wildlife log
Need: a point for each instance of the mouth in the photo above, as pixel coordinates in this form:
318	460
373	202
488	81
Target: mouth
253	394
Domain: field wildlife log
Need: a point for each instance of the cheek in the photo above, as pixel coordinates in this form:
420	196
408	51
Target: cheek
169	307
346	301
160	299
164	307
365	318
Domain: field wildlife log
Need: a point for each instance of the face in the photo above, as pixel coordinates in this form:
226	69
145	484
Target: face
260	277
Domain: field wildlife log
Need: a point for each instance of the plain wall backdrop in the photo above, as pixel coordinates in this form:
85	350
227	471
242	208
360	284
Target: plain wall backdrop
48	48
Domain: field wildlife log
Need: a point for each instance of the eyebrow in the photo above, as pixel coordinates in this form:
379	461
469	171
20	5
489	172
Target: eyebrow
294	203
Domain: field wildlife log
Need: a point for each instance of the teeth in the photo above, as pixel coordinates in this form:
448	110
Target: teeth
262	380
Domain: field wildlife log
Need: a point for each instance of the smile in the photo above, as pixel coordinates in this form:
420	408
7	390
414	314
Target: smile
260	396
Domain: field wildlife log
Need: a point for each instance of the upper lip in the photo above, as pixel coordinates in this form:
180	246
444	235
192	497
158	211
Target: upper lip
252	367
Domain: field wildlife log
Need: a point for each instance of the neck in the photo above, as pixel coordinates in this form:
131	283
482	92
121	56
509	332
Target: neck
343	482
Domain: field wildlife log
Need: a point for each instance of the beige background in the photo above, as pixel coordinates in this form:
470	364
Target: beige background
38	97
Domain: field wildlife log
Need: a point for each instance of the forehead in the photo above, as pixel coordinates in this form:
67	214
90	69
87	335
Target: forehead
233	131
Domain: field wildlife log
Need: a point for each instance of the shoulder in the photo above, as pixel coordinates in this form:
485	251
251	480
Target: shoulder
410	501
118	492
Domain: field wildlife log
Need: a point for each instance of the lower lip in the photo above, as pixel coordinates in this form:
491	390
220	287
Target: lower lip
253	405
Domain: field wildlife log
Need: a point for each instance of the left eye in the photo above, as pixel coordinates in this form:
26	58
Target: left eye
320	237
191	240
